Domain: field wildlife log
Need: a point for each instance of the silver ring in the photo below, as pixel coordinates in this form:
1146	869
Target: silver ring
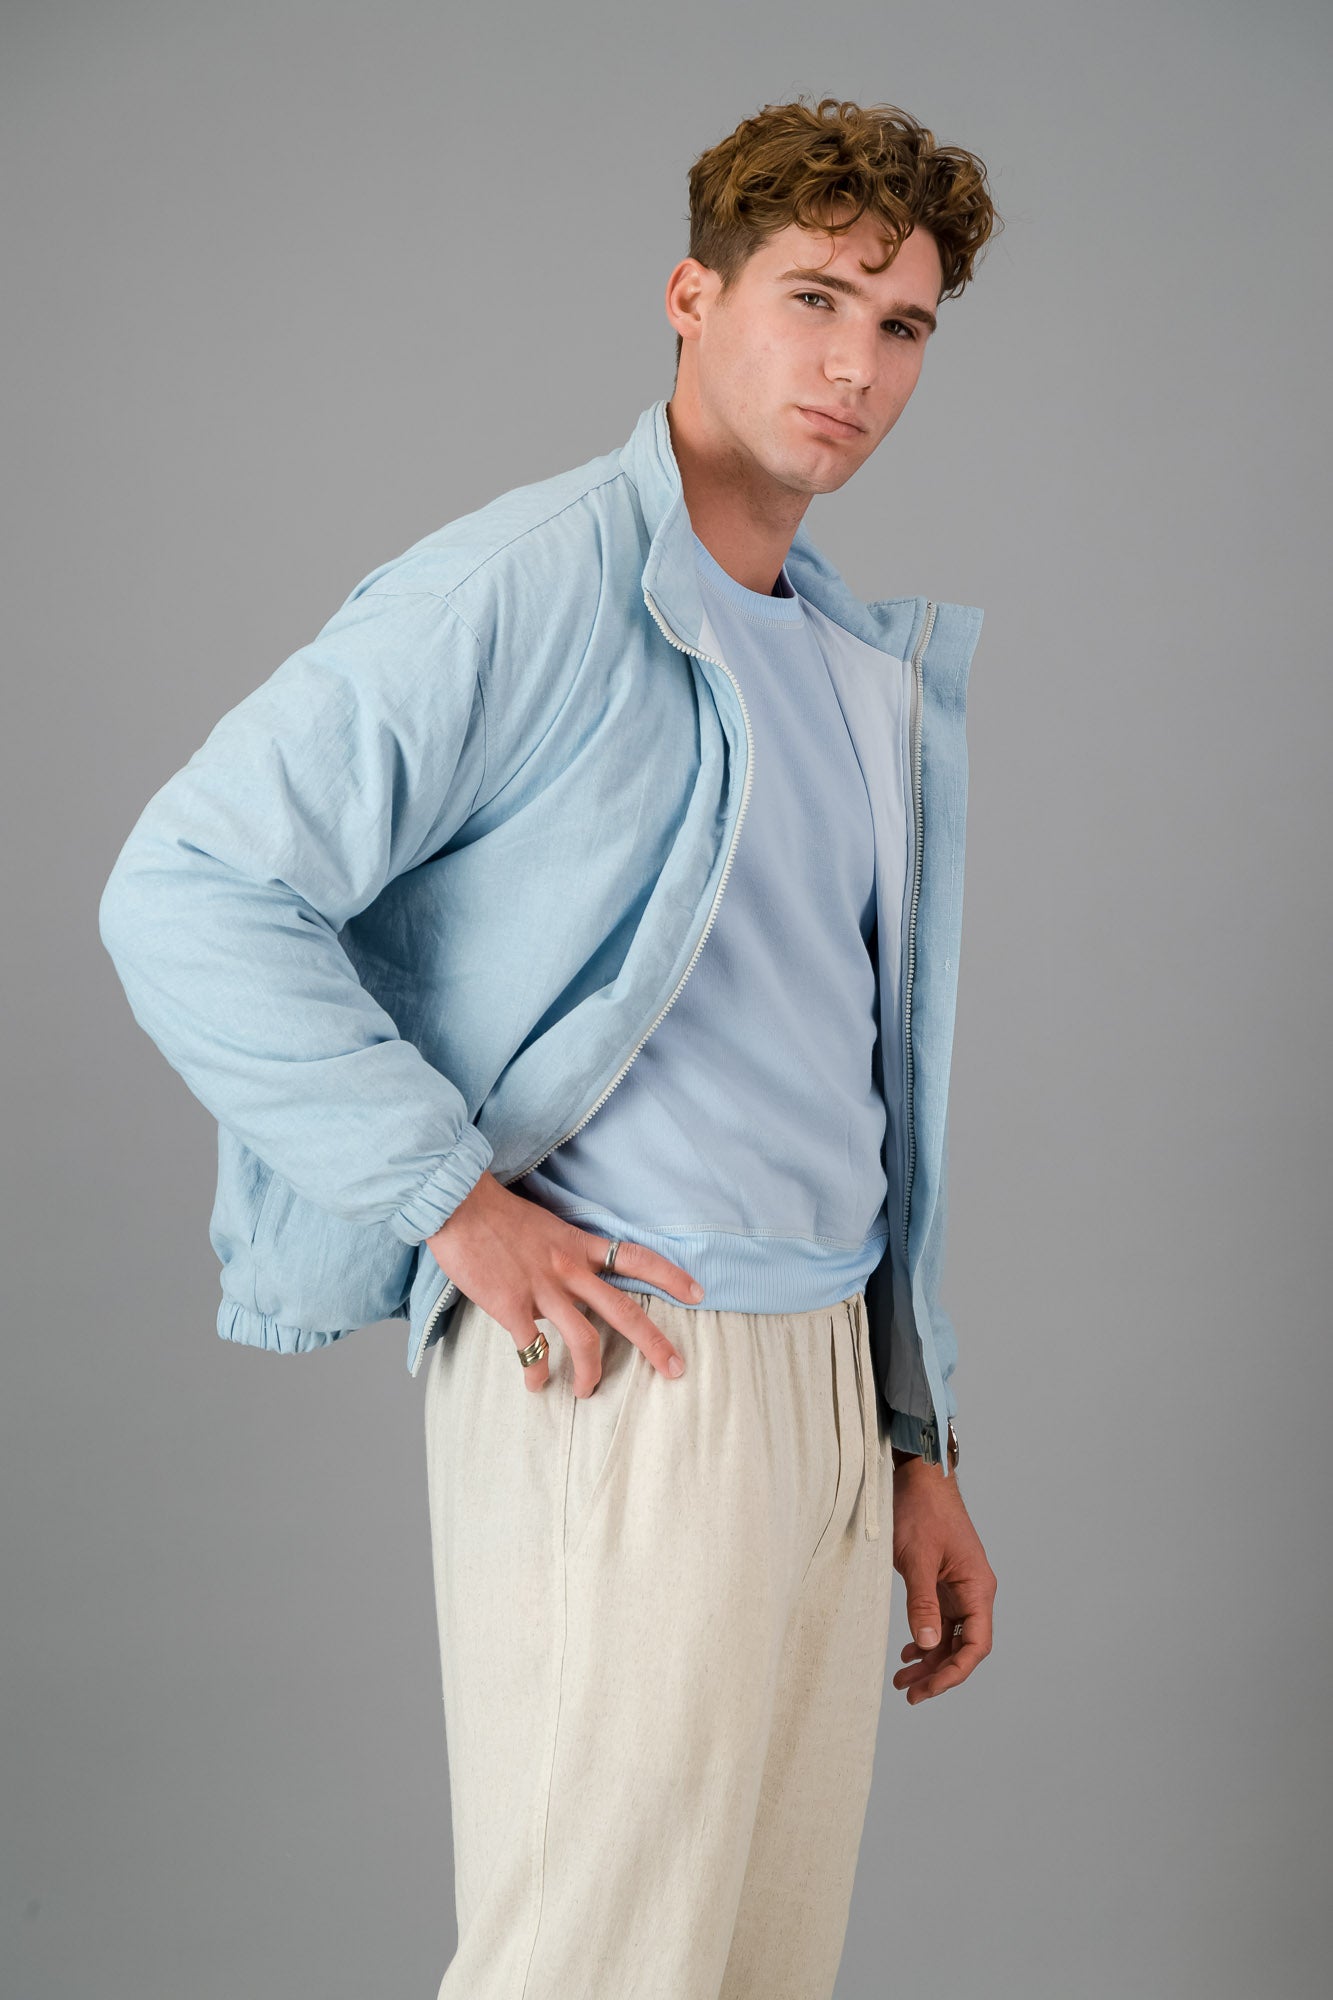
609	1261
958	1631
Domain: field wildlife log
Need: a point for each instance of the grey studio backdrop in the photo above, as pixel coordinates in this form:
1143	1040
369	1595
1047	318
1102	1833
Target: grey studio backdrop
285	288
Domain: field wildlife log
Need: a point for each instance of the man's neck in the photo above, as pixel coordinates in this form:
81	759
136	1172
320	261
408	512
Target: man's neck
747	533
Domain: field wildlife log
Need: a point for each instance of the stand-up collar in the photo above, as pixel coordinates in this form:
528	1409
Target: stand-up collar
670	576
649	462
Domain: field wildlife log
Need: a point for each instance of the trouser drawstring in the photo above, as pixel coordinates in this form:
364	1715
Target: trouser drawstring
869	1397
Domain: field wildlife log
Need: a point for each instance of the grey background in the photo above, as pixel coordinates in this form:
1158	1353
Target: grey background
287	286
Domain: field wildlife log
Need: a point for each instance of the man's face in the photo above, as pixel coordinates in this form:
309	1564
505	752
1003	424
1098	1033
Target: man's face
804	329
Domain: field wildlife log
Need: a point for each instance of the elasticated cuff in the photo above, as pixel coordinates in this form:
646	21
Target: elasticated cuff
441	1192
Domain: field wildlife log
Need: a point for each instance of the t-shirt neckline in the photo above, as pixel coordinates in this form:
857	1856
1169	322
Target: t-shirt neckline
781	610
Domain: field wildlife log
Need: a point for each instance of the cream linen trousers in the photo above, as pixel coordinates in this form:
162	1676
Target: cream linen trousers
664	1616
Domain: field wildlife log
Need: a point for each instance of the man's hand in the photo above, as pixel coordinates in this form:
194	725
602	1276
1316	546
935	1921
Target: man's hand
939	1556
521	1263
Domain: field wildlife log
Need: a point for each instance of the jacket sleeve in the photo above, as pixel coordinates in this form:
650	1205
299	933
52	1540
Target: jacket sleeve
356	760
913	1425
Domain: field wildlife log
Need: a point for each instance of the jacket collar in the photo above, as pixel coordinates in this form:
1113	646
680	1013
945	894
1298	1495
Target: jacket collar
669	575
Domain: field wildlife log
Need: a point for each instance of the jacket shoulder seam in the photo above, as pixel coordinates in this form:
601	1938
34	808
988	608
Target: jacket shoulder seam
531	529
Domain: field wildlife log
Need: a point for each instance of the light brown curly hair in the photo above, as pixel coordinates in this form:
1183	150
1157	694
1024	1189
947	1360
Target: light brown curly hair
791	163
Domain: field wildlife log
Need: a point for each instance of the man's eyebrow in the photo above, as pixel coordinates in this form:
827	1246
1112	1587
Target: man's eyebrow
900	311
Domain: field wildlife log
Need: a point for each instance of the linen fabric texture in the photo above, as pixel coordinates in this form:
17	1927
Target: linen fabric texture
663	1615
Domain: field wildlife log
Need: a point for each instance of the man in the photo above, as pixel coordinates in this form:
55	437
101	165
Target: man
566	942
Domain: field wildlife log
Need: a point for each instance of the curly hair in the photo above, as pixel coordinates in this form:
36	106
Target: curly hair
794	164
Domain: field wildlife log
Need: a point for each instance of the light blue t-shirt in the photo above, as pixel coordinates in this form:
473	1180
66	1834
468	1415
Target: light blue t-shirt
745	1141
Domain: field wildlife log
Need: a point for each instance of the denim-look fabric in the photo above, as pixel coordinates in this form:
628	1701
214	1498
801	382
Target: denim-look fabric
415	903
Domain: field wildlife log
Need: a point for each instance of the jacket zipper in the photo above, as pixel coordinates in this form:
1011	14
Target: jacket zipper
445	1296
918	693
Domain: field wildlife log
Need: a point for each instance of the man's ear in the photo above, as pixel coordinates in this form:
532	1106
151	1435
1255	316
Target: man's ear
688	291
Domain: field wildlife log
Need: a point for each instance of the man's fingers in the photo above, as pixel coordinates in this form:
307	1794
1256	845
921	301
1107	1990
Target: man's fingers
945	1665
583	1341
621	1312
921	1661
537	1373
579	1336
955	1669
636	1260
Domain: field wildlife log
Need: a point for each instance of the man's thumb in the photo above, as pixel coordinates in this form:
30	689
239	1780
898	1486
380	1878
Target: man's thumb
923	1615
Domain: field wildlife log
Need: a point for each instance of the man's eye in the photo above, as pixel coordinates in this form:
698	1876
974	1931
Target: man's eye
821	299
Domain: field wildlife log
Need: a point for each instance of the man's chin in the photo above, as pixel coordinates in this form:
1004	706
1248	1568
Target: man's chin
822	467
806	467
818	475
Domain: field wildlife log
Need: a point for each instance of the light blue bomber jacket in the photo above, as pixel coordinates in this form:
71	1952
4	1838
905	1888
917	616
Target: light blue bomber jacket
403	915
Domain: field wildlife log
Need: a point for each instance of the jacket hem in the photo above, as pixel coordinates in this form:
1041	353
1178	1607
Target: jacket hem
249	1328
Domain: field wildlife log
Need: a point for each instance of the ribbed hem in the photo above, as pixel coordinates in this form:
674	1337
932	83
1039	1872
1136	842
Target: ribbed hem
749	1273
439	1195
